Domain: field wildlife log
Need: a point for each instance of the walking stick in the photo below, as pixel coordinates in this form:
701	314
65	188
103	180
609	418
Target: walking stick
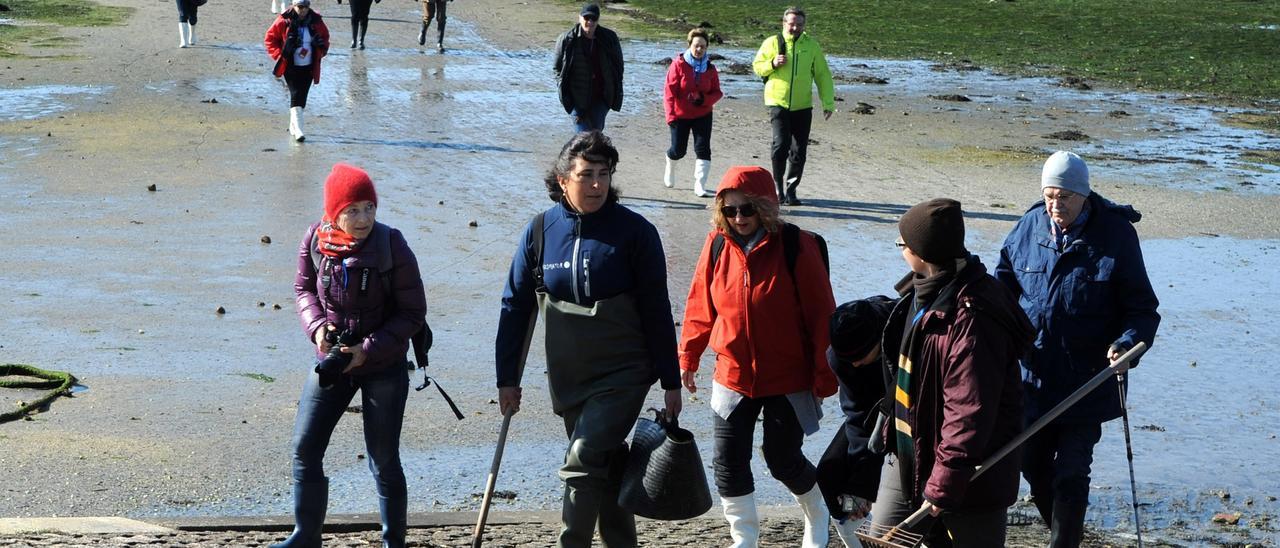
1128	448
900	536
477	538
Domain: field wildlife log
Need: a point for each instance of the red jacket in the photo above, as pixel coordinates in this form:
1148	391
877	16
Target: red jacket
282	53
681	89
769	332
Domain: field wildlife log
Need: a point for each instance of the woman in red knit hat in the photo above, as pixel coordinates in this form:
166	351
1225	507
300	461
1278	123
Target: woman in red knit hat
761	299
360	298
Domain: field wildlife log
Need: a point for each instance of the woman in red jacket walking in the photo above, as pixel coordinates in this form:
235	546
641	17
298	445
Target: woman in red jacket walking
692	89
297	41
766	320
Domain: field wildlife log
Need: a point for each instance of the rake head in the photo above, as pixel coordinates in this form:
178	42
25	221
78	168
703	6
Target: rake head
886	536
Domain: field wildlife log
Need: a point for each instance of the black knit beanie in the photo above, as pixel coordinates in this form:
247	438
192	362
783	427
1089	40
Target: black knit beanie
934	230
858	326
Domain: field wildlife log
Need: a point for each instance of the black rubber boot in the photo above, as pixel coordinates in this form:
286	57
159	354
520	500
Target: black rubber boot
1067	530
791	193
394	520
364	27
422	35
310	501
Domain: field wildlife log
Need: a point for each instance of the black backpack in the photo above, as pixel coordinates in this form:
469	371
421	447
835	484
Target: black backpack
421	341
790	248
782	48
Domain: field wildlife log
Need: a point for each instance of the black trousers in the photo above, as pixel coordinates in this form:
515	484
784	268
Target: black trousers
299	81
680	130
187	11
783	438
1056	462
359	17
790	144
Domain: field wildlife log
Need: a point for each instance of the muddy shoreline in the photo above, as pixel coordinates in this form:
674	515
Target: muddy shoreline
120	285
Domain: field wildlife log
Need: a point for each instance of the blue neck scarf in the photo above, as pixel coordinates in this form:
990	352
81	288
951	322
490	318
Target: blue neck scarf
699	65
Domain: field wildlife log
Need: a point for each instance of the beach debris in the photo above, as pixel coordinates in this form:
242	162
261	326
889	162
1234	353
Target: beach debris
221	311
356	409
954	97
151	187
963	65
1152	428
1225	518
473	223
1118	114
867	79
1074	82
265	239
210	100
256	376
275	306
261	304
1069	135
864	108
504	495
268	149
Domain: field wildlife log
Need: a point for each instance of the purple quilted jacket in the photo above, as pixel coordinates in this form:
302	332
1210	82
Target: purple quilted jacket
386	314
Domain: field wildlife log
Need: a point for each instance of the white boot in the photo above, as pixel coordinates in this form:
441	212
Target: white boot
295	124
669	178
191	34
744	523
702	168
275	7
183	41
816	530
846	529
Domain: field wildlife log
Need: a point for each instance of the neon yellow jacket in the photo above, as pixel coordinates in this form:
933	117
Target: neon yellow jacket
789	85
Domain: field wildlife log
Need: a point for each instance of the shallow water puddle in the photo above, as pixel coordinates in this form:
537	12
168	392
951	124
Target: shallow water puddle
34	102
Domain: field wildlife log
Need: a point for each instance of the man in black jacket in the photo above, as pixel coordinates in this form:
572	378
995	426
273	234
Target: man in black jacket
588	67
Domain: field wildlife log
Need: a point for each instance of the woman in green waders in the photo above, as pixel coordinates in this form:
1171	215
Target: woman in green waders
596	271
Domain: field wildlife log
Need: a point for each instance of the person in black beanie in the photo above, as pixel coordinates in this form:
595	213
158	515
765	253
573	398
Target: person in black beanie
955	338
849	472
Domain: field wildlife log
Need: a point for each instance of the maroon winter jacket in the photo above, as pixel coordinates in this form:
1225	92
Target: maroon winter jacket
384	310
967	396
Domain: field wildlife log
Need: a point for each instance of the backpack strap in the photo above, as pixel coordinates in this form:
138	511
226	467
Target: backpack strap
791	247
717	247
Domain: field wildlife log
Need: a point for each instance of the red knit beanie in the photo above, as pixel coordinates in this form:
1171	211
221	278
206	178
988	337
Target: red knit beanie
346	185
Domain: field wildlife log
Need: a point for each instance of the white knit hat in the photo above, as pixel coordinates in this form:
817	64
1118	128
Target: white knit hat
1067	171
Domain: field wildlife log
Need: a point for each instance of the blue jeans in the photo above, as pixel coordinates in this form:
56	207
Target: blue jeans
383	396
593	118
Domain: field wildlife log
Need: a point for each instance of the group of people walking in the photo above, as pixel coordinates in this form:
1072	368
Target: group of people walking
931	381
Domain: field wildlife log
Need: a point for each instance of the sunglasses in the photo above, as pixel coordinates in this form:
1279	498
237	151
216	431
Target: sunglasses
901	244
590	17
729	212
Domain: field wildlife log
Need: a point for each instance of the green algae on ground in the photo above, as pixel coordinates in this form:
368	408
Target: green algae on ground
36	22
1223	48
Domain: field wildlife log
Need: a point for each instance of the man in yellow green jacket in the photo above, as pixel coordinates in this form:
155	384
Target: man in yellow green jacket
791	63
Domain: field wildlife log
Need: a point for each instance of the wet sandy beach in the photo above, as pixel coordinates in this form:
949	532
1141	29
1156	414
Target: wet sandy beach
188	412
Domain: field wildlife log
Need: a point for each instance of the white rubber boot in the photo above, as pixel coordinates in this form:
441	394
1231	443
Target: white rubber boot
845	531
275	7
669	178
817	532
191	34
295	124
701	169
183	41
744	522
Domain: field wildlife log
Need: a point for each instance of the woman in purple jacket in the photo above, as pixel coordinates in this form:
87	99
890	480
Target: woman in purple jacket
360	298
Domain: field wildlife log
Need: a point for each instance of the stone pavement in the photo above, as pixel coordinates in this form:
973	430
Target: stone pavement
779	527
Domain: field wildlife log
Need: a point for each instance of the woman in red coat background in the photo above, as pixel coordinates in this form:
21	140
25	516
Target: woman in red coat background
766	320
693	87
297	41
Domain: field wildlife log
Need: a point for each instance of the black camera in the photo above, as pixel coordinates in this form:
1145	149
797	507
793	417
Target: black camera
330	367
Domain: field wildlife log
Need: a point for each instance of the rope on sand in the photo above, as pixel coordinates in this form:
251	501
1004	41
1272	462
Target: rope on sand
58	382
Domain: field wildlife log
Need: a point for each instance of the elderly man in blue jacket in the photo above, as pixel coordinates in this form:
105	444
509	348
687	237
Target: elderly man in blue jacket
1075	264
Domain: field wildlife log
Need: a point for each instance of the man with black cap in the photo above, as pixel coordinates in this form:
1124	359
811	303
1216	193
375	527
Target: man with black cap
1075	265
956	335
588	66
